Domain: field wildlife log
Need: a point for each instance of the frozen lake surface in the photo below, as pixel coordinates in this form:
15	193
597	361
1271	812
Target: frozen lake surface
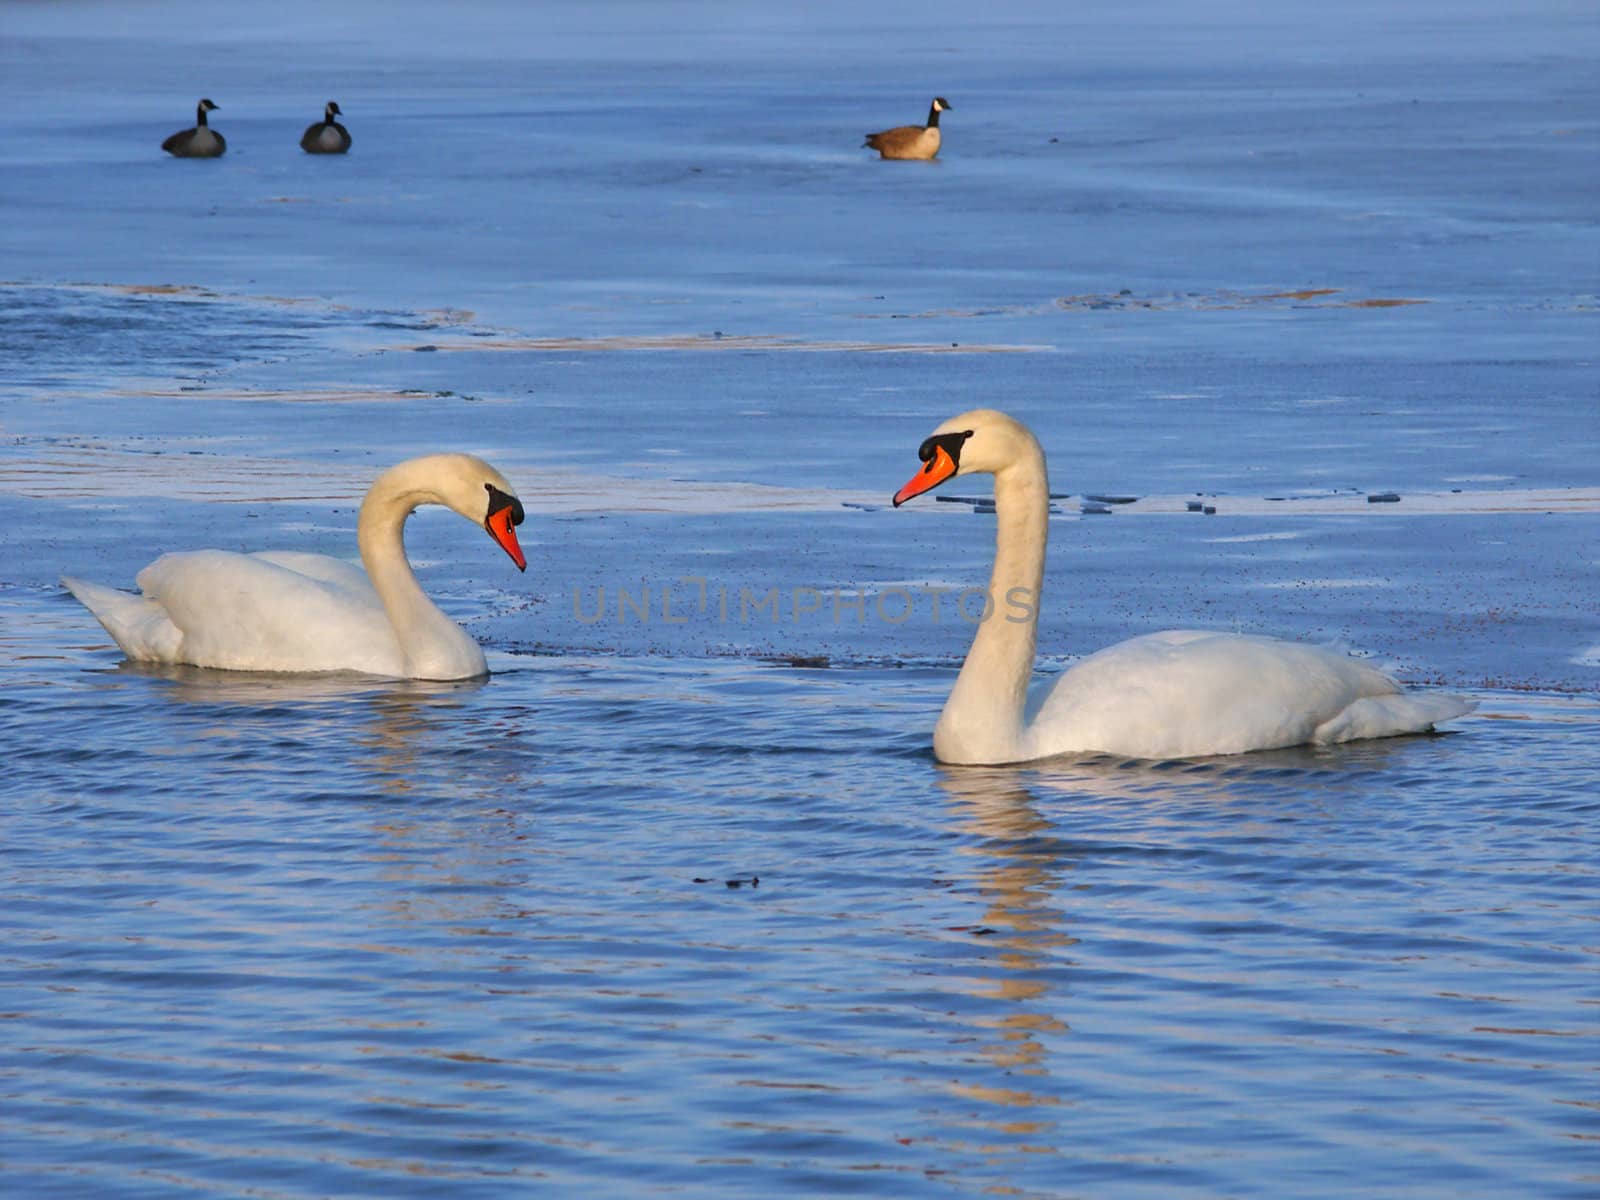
677	901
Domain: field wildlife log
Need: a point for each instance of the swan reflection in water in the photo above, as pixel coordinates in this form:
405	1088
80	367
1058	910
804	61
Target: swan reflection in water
1030	829
397	724
1021	862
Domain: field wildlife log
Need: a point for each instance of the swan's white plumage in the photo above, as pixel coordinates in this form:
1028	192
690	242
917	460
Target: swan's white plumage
246	612
1183	693
1175	694
297	612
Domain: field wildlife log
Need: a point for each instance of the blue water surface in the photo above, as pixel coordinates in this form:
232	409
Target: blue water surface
687	907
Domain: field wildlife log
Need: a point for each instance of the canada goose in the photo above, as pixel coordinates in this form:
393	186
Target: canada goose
200	142
910	141
327	136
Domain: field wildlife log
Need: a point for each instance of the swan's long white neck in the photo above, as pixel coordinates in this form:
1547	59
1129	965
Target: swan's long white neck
983	720
430	641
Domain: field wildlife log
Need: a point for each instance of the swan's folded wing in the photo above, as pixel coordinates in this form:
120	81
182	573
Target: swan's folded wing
345	576
1186	693
244	612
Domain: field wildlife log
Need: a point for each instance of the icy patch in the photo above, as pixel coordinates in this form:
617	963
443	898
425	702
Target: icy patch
1287	584
1286	535
1223	298
350	395
62	470
701	341
1508	500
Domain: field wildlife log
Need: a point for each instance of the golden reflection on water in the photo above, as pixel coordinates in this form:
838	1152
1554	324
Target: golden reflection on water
400	724
1024	863
207	685
396	738
395	720
1025	930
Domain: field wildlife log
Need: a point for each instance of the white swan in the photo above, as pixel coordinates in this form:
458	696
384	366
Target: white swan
289	611
1177	694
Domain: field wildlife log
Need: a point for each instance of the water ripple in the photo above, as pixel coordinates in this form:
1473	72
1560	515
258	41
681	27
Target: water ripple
343	936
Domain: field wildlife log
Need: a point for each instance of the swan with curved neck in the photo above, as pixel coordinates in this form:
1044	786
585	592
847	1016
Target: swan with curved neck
1177	694
292	611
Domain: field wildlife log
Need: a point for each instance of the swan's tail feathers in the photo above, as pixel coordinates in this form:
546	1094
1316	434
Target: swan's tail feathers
1386	716
140	626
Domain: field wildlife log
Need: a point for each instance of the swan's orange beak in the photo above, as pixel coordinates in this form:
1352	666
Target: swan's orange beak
940	466
504	531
